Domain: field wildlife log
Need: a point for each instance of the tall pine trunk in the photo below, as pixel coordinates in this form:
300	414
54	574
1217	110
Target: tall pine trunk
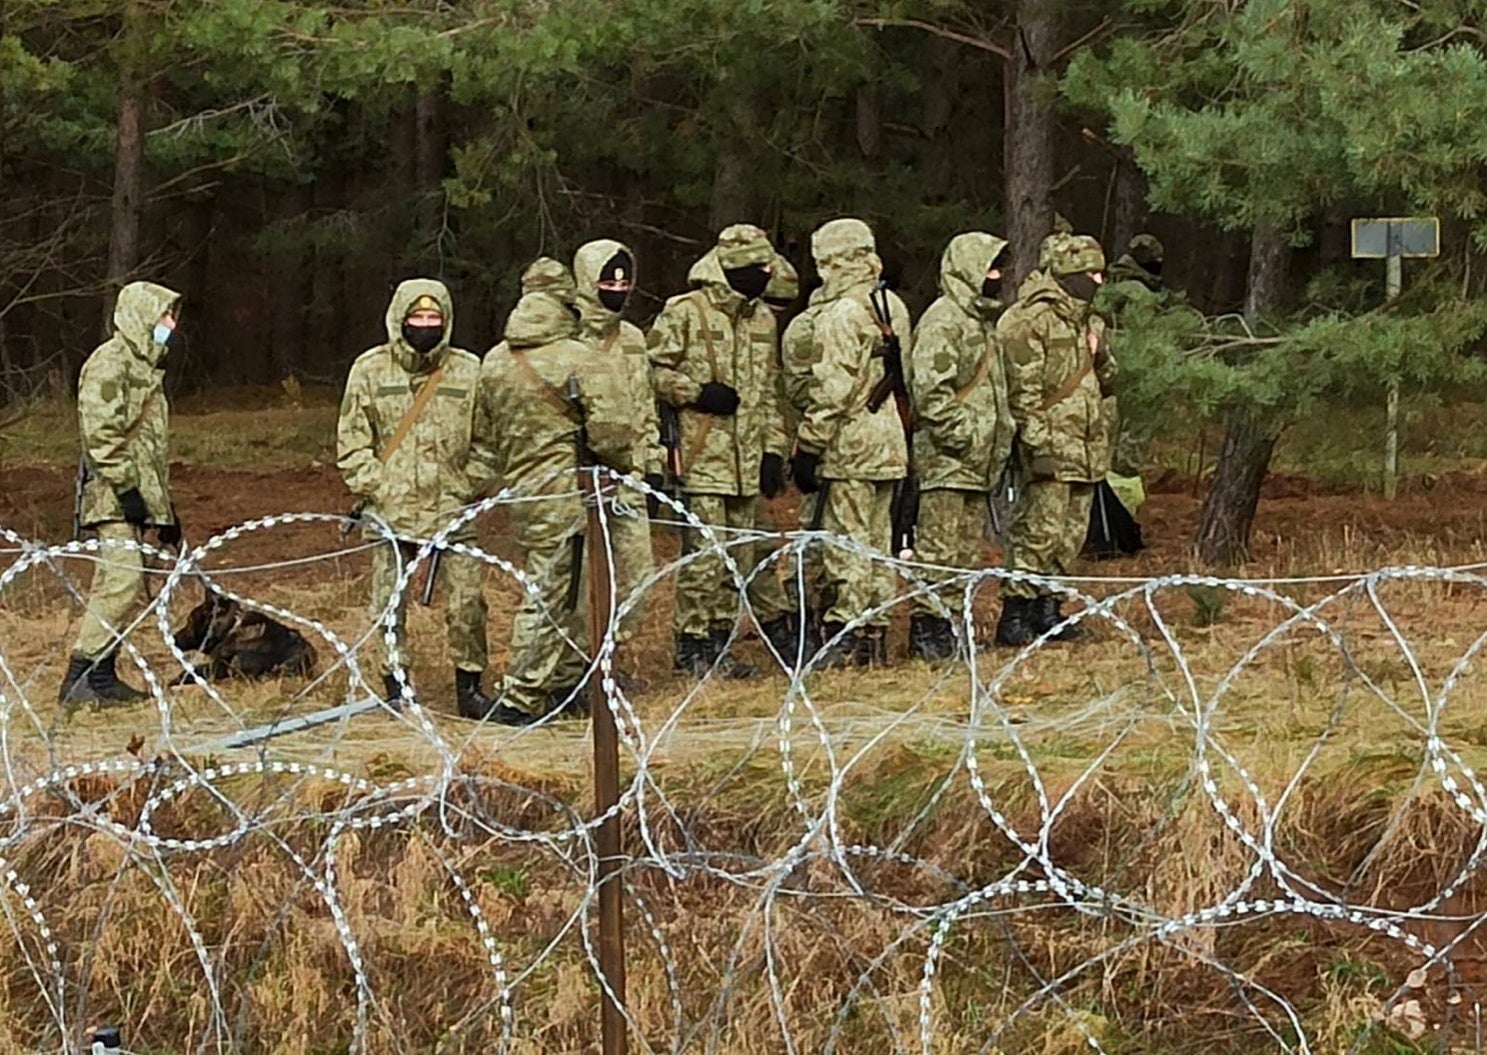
1029	150
128	196
1229	510
1128	207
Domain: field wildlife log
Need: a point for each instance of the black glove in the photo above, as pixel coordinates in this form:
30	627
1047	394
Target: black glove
656	482
717	398
169	534
133	504
772	475
804	468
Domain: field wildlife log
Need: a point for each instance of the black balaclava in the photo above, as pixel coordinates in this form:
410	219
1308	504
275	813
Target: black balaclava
991	288
1080	286
423	339
748	282
621	267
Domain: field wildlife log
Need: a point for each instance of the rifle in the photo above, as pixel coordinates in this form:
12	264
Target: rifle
905	507
671	439
77	496
574	396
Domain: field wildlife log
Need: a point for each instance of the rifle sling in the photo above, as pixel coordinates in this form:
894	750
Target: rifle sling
405	426
699	301
1068	387
551	395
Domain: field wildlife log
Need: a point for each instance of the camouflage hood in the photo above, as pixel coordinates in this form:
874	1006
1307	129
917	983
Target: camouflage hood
846	255
963	268
546	275
588	266
138	308
707	275
403	300
538	319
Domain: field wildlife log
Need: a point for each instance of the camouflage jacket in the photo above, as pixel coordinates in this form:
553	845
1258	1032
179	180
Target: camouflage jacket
439	467
847	344
1059	367
713	334
957	380
797	357
534	429
122	413
613	336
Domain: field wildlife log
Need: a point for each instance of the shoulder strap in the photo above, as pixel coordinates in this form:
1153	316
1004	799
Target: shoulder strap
405	426
982	370
554	398
699	301
1068	387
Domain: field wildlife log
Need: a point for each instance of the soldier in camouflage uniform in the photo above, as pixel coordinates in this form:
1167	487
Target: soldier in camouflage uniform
851	456
1059	368
533	429
419	484
605	274
1136	278
123	420
713	358
963	427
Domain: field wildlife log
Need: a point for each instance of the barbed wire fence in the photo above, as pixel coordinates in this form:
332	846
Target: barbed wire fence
969	916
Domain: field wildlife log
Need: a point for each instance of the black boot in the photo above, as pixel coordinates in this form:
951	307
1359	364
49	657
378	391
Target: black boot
468	697
1015	627
694	655
393	693
570	702
851	649
1048	614
727	665
105	685
931	638
783	635
75	689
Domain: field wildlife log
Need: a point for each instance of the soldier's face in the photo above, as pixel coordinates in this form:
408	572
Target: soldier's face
425	317
168	320
993	274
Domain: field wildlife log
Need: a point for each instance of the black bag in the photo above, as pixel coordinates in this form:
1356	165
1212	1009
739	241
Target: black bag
1113	532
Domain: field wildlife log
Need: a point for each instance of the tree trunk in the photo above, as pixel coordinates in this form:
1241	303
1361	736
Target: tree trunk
128	199
428	178
1229	510
734	178
1128	211
1029	144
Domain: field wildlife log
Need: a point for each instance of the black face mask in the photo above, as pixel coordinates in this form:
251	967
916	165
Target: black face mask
1081	286
614	299
748	282
423	339
991	288
1154	269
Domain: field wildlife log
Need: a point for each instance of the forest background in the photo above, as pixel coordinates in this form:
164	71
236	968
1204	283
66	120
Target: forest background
285	163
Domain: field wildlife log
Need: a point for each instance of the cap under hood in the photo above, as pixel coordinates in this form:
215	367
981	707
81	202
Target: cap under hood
963	268
588	268
404	299
137	310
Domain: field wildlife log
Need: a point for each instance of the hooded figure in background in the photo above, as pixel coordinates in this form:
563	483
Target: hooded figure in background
963	426
1059	370
847	455
533	427
714	359
604	273
407	449
124	423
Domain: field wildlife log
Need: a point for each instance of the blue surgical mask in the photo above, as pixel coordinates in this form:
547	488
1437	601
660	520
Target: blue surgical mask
162	333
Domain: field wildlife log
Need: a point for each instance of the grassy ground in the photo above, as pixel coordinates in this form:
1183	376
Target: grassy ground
1094	752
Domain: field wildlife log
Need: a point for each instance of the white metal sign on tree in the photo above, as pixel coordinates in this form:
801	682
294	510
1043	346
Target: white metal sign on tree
1391	239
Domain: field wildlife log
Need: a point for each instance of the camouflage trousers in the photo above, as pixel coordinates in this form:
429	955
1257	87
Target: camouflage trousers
853	583
1049	523
630	543
951	526
706	594
549	641
464	604
118	580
